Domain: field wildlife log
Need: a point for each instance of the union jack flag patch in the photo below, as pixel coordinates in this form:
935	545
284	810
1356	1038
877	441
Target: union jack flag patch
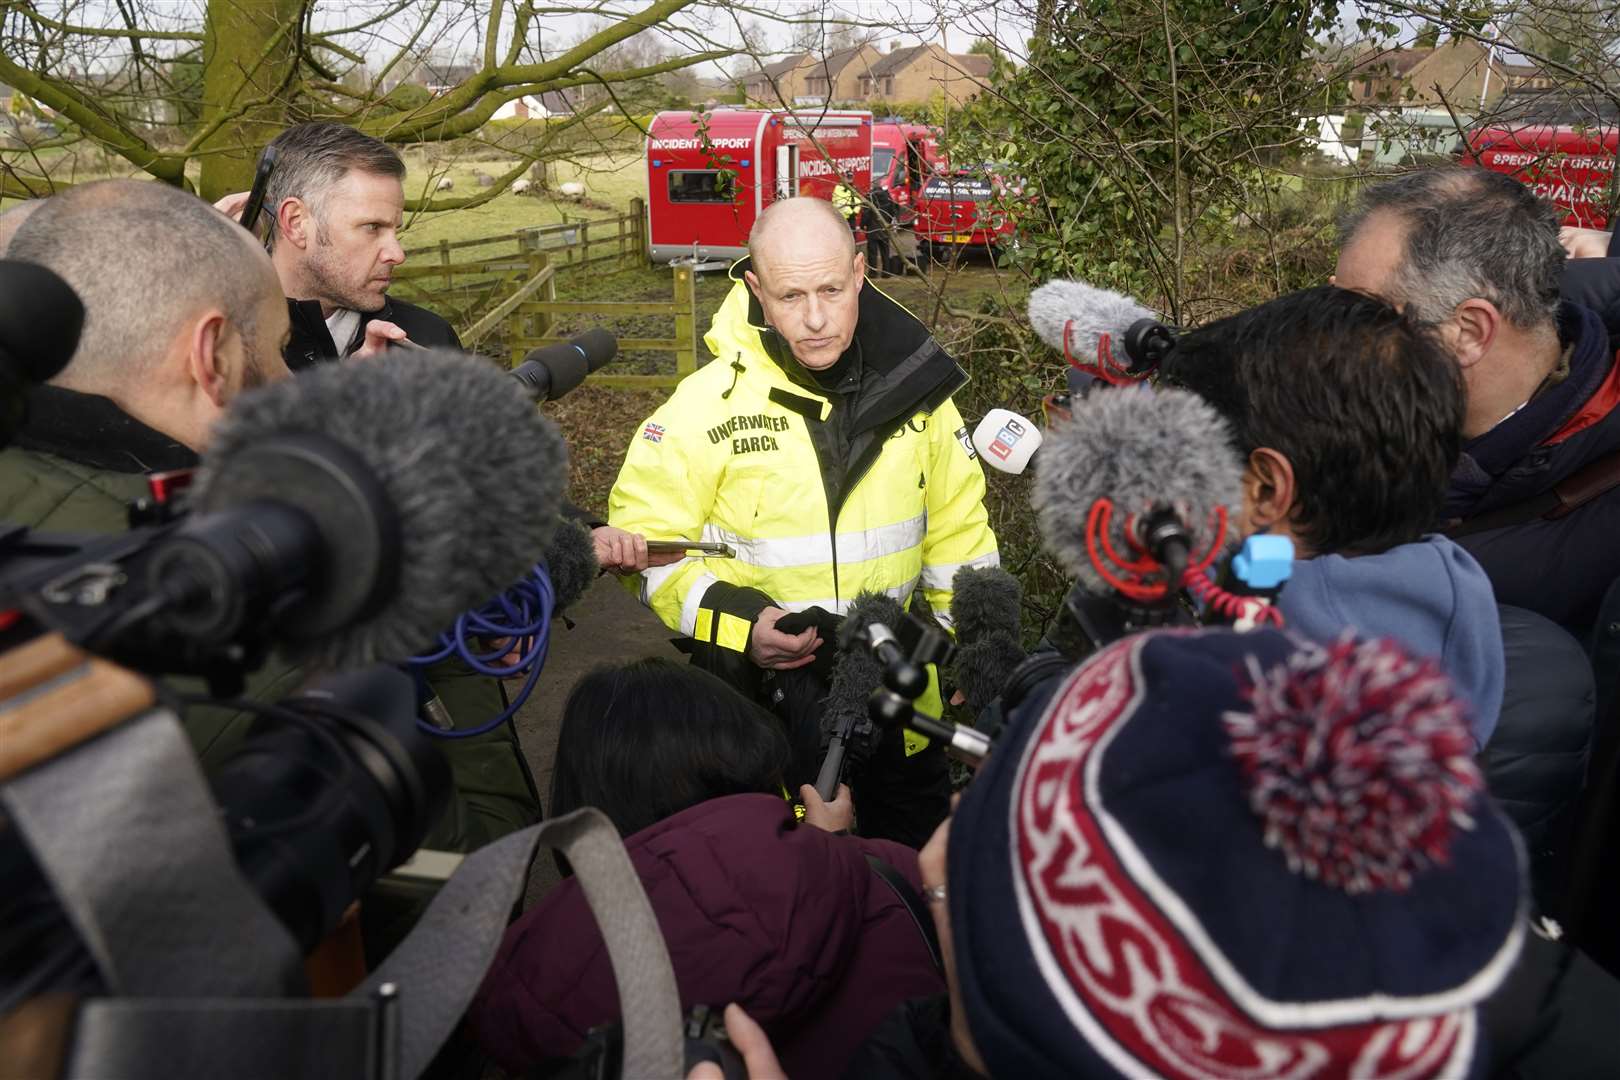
653	433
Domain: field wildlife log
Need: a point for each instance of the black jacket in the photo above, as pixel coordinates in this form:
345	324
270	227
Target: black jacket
1560	567
310	343
1535	763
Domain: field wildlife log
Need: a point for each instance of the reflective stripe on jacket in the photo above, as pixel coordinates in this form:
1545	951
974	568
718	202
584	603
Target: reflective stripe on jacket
731	457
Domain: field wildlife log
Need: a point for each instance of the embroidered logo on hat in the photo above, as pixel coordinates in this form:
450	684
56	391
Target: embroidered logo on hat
1353	761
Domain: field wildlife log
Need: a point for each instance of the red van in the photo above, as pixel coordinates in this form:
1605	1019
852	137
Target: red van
1572	168
709	175
903	157
964	209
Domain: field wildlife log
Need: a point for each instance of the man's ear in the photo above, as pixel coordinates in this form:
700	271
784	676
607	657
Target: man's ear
1472	331
294	222
860	269
206	362
1268	489
753	280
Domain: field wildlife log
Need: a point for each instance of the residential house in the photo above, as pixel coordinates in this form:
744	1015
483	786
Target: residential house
808	79
921	73
441	76
536	106
1461	73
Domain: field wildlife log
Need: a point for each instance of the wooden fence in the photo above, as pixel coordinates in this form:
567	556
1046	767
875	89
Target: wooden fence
530	315
460	279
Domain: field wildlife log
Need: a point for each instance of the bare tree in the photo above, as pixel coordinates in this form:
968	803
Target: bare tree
189	91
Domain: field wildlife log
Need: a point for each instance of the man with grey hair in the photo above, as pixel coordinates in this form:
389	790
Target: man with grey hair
823	447
336	201
1534	498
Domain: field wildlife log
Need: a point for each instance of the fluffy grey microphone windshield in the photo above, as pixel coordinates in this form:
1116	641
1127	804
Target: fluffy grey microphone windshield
1087	311
857	671
474	474
985	606
1139	448
571	562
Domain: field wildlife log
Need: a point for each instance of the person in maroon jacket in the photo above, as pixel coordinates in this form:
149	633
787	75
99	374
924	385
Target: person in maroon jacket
814	932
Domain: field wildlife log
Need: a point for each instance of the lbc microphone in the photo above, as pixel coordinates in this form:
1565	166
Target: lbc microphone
551	371
358	509
1101	333
1006	441
1137	489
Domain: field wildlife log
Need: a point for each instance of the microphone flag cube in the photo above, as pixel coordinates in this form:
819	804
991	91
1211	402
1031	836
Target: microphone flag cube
1006	441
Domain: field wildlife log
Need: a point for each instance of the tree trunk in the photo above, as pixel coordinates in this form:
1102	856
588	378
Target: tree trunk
250	64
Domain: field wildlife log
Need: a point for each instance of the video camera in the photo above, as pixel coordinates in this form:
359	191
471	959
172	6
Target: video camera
185	939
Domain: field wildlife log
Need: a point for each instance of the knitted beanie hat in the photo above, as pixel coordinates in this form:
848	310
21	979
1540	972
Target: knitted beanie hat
1213	854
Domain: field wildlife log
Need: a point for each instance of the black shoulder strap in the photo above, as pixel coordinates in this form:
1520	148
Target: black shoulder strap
1594	479
913	903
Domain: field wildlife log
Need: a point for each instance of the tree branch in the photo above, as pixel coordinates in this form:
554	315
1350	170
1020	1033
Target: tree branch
27	11
63	98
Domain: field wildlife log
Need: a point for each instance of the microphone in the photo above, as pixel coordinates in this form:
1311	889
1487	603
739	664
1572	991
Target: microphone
1006	441
1135	491
570	559
856	673
358	509
985	609
1093	327
551	371
40	320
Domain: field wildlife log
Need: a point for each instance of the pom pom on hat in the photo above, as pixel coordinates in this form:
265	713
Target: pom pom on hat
1358	761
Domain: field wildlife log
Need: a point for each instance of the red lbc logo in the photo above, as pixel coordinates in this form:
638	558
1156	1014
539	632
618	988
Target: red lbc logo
1007	438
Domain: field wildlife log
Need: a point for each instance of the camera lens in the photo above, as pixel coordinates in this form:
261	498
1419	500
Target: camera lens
318	811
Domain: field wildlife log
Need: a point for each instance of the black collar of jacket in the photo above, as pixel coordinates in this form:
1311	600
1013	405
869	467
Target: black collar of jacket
904	369
310	342
91	430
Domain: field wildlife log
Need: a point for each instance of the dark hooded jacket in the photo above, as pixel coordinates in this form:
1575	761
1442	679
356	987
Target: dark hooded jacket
787	920
1557	567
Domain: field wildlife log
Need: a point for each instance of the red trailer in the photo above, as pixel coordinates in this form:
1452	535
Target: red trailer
1573	169
709	175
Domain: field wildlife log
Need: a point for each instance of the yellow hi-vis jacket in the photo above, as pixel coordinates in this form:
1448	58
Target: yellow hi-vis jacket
846	201
731	457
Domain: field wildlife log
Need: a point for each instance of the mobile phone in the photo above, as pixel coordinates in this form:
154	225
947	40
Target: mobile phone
261	184
706	548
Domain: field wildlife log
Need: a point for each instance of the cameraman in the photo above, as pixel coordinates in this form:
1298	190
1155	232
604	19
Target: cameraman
162	354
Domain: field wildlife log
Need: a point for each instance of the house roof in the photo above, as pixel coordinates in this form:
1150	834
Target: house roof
974	64
556	101
433	73
836	62
1393	62
778	69
899	58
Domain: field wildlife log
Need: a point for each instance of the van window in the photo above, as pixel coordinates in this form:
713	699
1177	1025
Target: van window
882	158
702	185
